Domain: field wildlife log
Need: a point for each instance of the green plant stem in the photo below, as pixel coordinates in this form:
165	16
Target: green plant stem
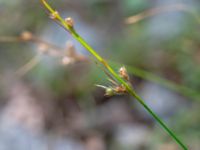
190	93
184	90
162	124
130	90
118	78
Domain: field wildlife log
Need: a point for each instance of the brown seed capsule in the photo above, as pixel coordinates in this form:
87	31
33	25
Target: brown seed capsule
70	22
123	73
120	89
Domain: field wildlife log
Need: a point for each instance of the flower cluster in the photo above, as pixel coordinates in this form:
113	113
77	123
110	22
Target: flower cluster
116	88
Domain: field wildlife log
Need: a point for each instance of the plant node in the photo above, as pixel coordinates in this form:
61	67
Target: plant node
54	15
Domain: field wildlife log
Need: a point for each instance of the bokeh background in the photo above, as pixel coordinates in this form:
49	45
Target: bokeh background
48	97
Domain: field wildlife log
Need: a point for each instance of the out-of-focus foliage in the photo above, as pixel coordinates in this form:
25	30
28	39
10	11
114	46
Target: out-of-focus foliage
74	112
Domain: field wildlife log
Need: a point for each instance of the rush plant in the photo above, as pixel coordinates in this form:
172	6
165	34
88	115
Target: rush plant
120	79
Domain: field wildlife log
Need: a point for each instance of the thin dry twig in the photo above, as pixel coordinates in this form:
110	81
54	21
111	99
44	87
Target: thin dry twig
156	11
44	47
28	66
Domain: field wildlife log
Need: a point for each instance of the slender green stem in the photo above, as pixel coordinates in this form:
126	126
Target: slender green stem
118	78
162	124
186	91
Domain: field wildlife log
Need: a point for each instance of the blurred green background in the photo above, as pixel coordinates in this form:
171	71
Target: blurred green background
48	103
